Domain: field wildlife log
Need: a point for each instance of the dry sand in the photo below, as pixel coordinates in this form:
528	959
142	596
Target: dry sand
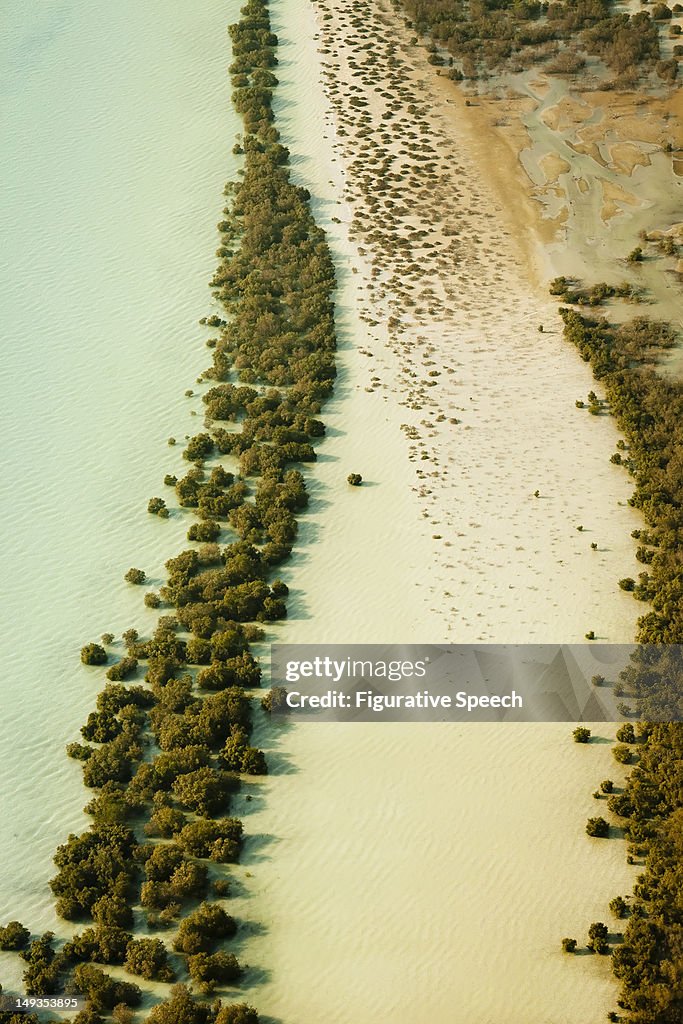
428	873
486	401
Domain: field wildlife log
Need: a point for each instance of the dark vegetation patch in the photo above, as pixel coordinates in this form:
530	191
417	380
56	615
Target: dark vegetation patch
490	35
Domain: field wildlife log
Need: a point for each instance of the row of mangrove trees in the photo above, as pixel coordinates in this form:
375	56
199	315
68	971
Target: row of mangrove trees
648	407
164	749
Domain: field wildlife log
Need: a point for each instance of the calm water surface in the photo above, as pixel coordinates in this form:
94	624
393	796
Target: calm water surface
116	135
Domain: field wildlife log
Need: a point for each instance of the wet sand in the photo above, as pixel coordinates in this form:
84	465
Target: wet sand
594	171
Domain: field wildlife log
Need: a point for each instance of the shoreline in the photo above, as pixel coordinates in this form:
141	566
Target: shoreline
195	715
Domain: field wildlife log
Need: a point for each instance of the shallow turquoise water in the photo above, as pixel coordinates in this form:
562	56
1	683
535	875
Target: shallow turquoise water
117	136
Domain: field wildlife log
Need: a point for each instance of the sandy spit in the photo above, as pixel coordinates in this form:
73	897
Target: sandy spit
427	874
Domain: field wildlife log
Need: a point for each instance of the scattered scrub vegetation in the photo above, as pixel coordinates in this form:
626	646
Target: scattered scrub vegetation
570	291
486	35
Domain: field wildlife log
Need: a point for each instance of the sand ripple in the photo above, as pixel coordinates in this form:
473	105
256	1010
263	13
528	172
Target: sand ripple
110	198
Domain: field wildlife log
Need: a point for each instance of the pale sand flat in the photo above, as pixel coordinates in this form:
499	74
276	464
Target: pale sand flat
401	869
